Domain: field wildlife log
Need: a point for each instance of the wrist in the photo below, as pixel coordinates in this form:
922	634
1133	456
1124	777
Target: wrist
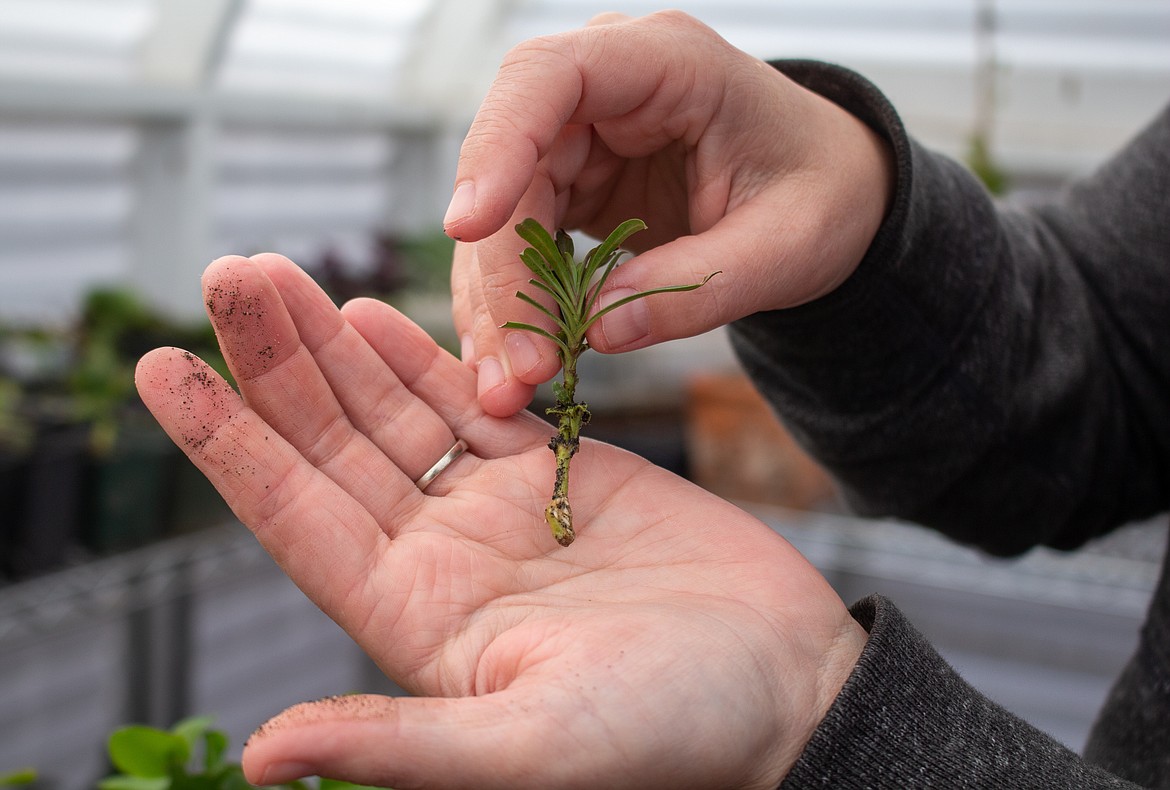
810	689
837	662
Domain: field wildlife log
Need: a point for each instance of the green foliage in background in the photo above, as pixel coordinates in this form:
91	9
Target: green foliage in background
189	756
25	776
983	165
427	260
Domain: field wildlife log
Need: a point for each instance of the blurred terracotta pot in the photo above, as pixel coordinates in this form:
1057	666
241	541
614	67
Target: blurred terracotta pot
738	449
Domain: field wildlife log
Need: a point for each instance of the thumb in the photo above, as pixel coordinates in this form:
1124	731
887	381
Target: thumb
688	260
770	254
485	741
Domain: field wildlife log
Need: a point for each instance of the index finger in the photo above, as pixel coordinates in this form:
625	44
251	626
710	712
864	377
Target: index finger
314	530
581	77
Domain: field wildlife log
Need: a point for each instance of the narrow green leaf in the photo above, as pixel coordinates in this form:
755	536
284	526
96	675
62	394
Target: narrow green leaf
543	333
610	265
580	283
544	259
545	279
534	233
534	262
565	244
147	752
556	318
644	294
547	289
564	275
612	244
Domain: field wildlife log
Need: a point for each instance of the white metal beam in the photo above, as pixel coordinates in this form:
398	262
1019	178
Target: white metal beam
185	44
173	219
455	55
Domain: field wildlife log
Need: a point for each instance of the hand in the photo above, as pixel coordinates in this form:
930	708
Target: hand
732	166
678	643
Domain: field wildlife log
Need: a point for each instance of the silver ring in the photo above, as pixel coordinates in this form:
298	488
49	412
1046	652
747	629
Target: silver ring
456	450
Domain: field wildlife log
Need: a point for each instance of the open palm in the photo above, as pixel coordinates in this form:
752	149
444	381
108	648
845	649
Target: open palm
678	642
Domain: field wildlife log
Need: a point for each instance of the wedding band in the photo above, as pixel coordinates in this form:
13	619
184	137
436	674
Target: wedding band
456	450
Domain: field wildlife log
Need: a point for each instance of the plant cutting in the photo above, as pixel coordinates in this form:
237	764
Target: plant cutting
574	287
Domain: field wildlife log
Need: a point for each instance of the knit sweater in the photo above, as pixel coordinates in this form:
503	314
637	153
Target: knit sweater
1000	374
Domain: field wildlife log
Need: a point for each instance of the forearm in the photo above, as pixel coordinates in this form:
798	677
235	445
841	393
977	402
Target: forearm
971	371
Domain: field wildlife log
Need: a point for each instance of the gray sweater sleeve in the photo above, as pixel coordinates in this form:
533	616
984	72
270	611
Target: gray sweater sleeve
1003	375
1000	374
905	720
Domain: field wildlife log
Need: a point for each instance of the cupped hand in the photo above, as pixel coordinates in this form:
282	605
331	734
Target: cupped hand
677	643
732	166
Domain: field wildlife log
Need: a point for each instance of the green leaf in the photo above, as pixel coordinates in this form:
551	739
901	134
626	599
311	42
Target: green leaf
643	294
233	779
215	744
195	782
605	256
564	244
556	318
547	289
192	729
560	393
147	752
545	277
610	265
25	776
612	244
534	233
542	332
123	782
559	271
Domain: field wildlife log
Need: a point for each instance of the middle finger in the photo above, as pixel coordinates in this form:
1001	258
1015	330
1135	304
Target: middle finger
312	378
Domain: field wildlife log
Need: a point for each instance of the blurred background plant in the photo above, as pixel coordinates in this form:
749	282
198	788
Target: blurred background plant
192	755
21	778
84	468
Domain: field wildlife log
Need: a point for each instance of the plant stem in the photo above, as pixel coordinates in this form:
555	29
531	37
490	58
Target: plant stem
575	287
571	416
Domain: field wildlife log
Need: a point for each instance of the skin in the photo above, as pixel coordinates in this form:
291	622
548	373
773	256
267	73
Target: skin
732	166
677	643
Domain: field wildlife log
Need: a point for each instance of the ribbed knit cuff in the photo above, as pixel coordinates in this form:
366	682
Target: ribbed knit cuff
905	719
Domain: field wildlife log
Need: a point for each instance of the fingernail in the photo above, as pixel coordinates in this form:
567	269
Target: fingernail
491	374
522	352
277	773
467	351
462	203
625	324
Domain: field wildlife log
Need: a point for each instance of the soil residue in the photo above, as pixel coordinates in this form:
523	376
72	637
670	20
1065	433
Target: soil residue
239	316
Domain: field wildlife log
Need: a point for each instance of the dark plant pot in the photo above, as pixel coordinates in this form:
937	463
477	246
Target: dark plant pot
53	488
130	488
195	504
13	477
